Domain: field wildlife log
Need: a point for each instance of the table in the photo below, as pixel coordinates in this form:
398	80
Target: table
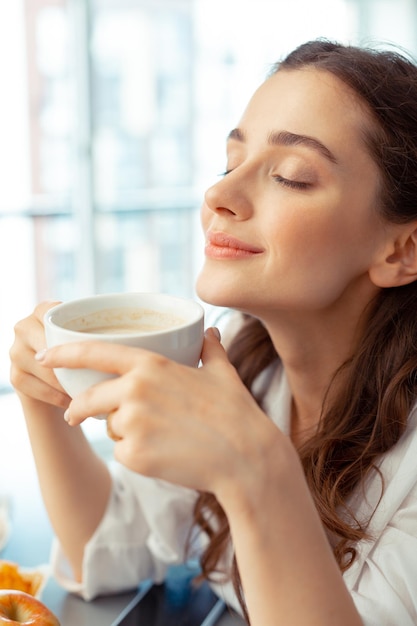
172	604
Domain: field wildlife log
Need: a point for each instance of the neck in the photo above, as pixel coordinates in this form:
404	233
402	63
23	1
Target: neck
312	349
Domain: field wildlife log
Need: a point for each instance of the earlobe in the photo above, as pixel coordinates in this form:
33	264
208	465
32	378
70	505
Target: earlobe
398	265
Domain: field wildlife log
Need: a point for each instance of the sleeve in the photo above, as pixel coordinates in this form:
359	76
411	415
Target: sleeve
144	530
383	577
386	591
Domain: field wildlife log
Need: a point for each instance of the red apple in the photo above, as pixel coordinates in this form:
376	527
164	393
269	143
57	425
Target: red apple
18	607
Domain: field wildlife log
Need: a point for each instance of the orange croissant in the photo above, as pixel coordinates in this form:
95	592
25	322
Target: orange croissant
12	577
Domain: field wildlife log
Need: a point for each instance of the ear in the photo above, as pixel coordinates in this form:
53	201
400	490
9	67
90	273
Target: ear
398	264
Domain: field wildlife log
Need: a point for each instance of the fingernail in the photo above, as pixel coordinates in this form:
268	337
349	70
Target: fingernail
39	356
67	415
215	331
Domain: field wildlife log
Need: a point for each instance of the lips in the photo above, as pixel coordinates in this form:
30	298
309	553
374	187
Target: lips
222	246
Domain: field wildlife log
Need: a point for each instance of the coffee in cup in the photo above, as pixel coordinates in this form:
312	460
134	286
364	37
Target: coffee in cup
124	321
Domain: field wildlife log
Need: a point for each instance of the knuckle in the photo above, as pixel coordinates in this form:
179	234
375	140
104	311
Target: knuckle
136	457
20	327
13	352
160	360
43	307
152	361
135	385
16	377
142	380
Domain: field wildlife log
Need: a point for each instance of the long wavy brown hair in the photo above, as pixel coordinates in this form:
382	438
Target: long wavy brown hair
368	413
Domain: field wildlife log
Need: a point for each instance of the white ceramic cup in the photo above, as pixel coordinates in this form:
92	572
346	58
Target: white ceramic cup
158	322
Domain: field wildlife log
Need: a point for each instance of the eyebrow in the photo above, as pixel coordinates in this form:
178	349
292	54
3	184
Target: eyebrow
285	138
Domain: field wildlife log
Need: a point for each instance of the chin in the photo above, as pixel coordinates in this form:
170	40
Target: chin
19	607
217	291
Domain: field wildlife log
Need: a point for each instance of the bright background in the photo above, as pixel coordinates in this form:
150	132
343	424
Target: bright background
113	118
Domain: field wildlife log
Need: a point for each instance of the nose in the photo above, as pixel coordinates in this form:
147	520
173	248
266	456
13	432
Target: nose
229	196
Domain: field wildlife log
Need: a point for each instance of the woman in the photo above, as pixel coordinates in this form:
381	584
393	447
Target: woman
296	453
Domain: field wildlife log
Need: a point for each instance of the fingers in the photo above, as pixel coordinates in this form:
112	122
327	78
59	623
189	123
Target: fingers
26	375
213	351
37	383
213	331
110	432
138	373
29	385
116	358
134	384
96	355
43	307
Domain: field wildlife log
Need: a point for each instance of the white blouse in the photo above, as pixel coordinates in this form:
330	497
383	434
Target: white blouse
147	523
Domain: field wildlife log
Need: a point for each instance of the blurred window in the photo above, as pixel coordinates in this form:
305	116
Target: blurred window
113	123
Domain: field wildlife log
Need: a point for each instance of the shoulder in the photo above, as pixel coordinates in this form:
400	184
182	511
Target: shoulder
395	478
389	500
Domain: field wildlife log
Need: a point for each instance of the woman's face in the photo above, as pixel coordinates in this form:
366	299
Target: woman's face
293	225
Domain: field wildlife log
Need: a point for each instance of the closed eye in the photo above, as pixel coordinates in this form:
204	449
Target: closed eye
286	182
292	184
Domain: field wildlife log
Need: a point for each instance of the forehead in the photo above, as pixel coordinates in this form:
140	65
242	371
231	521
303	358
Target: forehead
308	102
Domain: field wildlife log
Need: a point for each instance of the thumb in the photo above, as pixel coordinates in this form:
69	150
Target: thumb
212	348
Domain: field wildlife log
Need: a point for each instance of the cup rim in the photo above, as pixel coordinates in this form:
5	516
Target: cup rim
192	305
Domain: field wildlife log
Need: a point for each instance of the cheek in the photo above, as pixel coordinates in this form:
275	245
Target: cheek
314	259
295	240
309	234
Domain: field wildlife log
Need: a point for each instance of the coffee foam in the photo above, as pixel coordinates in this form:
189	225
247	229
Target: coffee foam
124	320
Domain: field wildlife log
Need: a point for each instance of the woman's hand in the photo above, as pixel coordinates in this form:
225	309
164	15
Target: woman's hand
197	427
27	376
75	482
